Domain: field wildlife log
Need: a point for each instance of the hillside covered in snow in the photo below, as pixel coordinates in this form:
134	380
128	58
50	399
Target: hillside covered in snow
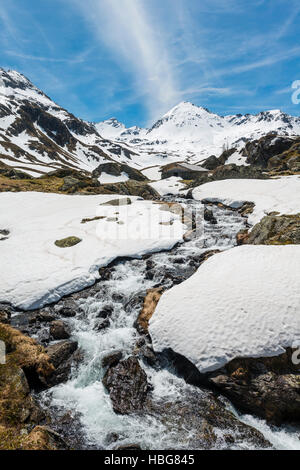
196	133
39	136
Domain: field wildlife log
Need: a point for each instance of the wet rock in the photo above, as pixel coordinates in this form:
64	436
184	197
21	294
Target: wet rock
127	385
105	273
43	335
41	316
112	359
102	324
58	330
179	261
62	356
149	264
209	216
202	421
149	275
4	234
129	447
106	311
134	303
246	209
67	308
112	437
147	354
267	387
4	316
242	237
61	351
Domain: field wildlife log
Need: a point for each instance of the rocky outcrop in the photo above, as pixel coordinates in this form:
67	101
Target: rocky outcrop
116	169
132	188
27	354
27	367
273	230
211	163
127	385
268	387
272	151
202	421
230	171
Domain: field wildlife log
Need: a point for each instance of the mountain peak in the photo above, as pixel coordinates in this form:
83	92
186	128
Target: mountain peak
186	107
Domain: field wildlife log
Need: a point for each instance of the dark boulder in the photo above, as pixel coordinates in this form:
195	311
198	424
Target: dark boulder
127	385
102	324
260	152
62	355
58	330
209	216
211	163
268	387
112	359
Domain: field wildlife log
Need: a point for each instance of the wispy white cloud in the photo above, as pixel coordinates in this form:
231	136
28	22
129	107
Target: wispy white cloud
77	59
137	45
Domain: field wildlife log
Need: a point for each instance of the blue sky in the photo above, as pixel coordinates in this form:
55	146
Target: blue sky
135	59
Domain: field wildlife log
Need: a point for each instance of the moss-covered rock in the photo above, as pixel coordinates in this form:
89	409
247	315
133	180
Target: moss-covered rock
67	242
230	171
43	438
276	230
116	169
27	365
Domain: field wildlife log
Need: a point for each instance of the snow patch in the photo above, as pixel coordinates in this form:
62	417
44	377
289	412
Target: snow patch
35	272
244	302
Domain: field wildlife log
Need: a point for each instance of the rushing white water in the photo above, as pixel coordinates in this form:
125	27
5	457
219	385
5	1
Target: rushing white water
85	394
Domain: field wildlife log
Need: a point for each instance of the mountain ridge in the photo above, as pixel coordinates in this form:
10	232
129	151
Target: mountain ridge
39	135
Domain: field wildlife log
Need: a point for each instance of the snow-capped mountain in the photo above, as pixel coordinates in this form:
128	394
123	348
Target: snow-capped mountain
113	129
39	136
194	133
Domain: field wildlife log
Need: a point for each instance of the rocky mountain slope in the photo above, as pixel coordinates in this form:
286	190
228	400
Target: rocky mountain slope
38	135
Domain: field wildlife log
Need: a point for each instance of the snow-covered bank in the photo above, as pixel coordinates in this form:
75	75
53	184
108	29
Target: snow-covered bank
172	185
34	271
280	195
244	302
